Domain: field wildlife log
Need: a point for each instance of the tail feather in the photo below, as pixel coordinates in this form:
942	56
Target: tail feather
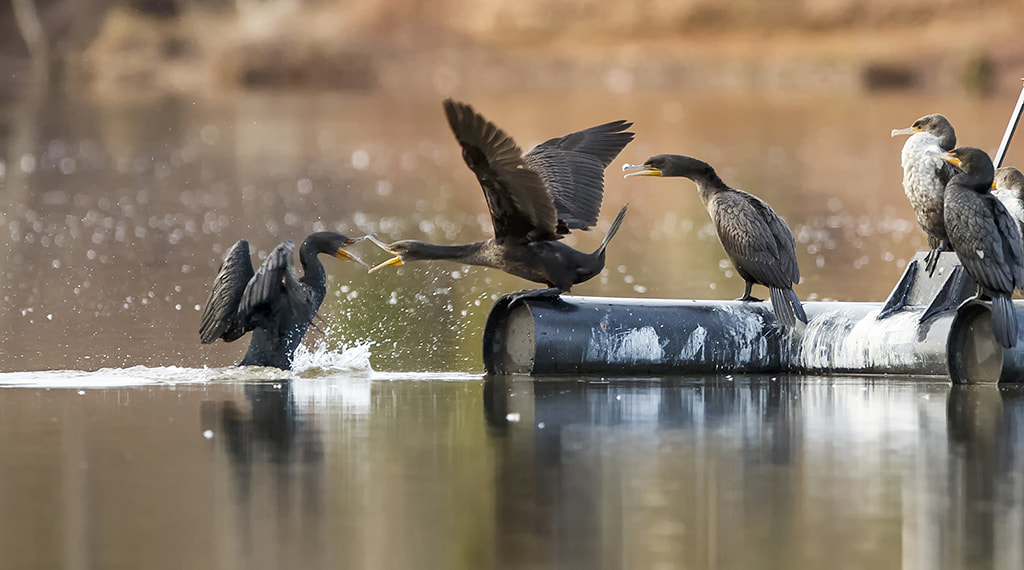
1004	321
787	306
611	231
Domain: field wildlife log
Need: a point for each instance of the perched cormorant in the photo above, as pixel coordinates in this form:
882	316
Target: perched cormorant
1008	186
985	237
925	177
756	239
533	200
274	302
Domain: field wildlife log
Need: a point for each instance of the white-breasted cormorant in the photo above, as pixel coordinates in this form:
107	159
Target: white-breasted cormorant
985	237
925	177
273	302
756	239
1008	186
533	199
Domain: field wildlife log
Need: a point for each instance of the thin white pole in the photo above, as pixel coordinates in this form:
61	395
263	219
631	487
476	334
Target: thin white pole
1001	153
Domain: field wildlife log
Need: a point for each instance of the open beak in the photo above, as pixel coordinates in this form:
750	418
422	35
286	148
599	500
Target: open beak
906	131
947	157
393	261
342	254
639	170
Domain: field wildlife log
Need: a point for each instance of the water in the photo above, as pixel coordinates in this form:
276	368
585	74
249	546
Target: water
127	444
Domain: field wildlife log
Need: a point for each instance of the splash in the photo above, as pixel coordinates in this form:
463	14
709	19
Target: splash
321	360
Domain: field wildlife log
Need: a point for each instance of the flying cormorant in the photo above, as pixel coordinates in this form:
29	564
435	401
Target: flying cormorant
533	199
757	240
925	177
985	237
274	302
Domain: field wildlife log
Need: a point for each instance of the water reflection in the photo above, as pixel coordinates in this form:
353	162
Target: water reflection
801	474
275	453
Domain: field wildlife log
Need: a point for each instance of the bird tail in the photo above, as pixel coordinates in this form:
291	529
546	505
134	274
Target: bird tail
787	306
1004	321
611	231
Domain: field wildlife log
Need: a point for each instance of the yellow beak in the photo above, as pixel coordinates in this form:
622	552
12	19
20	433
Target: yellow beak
393	261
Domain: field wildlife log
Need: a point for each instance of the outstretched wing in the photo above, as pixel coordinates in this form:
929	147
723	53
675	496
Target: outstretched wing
275	295
520	206
572	168
220	317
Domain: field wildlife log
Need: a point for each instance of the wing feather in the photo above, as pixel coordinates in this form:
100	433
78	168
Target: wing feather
572	168
520	206
220	317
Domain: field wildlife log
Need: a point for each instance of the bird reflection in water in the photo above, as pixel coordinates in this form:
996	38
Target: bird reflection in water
276	460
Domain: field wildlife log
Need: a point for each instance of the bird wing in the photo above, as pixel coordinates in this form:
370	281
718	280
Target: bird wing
520	206
756	238
275	287
983	231
572	168
220	315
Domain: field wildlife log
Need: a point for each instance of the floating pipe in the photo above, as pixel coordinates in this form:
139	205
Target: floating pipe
573	335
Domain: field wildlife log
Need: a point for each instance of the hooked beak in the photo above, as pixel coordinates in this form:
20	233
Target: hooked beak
906	131
947	157
640	170
396	260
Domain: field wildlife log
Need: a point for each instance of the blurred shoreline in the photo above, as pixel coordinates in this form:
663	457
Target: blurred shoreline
833	46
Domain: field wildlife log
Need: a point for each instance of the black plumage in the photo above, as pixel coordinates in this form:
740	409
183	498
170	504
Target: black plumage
273	302
925	177
533	200
757	241
985	237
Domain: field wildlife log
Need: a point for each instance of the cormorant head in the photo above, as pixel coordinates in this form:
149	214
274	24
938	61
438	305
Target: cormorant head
331	243
671	165
1009	178
974	162
935	124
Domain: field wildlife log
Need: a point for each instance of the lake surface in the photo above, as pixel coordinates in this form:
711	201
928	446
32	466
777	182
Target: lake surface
128	444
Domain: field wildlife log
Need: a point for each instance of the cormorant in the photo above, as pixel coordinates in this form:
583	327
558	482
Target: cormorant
533	199
274	302
925	177
757	240
1008	186
985	237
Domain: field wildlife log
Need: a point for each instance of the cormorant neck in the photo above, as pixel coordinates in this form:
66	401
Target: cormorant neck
980	182
947	140
313	274
708	185
468	253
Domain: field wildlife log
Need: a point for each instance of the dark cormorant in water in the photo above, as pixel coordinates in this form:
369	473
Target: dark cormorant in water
925	177
1008	186
985	237
556	187
274	302
756	239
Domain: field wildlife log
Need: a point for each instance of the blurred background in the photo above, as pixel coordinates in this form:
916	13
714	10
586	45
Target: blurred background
140	139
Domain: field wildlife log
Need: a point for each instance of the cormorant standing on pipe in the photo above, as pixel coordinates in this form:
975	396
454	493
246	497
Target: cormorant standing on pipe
757	240
985	237
1008	186
533	200
925	178
274	302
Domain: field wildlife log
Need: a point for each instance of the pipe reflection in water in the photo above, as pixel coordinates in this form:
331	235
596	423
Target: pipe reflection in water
800	473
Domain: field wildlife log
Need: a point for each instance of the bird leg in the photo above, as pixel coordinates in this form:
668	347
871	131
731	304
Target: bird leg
747	297
550	292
